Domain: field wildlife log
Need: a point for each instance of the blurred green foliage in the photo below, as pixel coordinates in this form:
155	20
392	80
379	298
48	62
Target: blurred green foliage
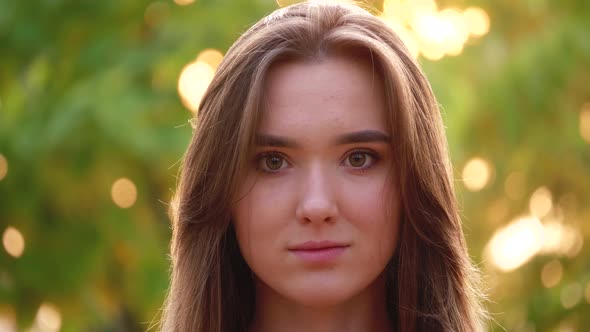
88	95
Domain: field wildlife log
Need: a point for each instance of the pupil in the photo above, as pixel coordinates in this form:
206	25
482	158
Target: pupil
357	159
274	163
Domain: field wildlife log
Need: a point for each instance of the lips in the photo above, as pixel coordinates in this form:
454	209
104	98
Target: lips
317	245
319	253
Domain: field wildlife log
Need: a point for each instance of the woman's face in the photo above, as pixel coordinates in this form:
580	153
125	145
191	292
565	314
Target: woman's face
317	215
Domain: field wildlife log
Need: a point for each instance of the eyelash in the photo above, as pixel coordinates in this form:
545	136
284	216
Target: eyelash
371	154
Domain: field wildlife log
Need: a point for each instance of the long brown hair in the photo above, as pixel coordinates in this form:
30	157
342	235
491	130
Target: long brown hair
430	280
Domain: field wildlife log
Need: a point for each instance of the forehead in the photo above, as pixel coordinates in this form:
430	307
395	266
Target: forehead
337	93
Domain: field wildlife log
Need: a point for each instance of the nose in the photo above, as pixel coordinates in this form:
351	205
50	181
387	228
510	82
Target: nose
317	202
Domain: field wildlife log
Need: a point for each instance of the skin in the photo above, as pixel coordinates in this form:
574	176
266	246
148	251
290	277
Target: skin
306	183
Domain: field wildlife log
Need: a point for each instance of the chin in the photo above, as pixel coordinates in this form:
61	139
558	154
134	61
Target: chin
321	293
319	299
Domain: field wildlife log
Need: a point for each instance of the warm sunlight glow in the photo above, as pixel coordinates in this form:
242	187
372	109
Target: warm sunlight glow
434	33
444	31
587	292
3	167
516	243
13	241
540	202
183	2
420	7
48	318
124	193
513	245
574	244
551	273
193	82
403	11
458	33
571	295
7	318
561	239
477	21
585	122
210	56
476	174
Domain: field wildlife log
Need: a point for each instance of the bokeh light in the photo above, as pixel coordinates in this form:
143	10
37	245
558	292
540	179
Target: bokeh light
551	273
585	122
477	21
575	245
515	244
124	193
476	174
48	318
540	202
196	77
183	2
432	33
571	295
13	241
7	318
458	31
441	33
561	239
3	167
403	11
210	56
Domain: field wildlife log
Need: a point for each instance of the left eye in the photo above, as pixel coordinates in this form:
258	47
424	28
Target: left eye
359	159
271	162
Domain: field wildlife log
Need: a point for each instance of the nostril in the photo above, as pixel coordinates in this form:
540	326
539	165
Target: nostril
327	219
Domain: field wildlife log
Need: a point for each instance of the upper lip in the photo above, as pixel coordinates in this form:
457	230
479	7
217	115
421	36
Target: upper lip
316	245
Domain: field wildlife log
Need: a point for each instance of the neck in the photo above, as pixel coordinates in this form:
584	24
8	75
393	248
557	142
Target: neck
365	312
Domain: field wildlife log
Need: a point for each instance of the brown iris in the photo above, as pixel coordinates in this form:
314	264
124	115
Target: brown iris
357	159
274	162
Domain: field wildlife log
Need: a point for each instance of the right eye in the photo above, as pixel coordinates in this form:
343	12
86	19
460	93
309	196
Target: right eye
271	162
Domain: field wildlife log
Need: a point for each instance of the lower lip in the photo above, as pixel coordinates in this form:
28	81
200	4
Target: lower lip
320	255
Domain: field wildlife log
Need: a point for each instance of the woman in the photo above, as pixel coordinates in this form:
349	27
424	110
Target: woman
316	194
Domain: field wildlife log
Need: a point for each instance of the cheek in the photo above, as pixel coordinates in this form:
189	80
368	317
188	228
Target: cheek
374	212
367	204
259	221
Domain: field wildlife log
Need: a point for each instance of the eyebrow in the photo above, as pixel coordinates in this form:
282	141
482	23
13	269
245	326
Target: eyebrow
363	136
